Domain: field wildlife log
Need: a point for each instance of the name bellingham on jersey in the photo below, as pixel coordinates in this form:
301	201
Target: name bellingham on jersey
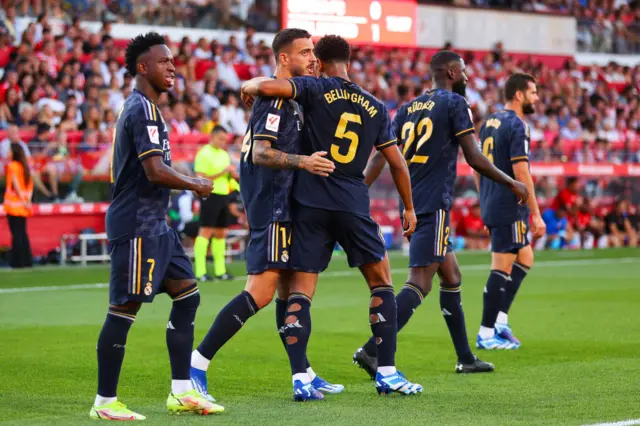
138	207
363	122
265	191
428	128
505	141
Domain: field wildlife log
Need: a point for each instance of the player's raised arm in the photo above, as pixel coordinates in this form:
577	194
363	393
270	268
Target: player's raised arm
269	87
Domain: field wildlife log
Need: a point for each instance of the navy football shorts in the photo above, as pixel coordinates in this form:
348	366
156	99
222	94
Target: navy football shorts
316	232
140	266
510	238
269	248
430	241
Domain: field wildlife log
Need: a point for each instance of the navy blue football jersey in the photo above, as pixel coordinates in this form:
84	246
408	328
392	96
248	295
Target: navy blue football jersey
138	207
265	191
347	122
505	141
428	128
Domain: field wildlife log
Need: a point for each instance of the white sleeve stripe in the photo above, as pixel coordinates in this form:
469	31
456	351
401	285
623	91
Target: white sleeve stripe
144	107
149	112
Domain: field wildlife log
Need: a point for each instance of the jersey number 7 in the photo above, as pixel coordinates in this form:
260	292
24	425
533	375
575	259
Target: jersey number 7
342	133
408	134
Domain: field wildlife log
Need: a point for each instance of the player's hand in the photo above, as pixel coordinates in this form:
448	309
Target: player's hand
203	187
318	165
520	190
409	222
247	99
538	227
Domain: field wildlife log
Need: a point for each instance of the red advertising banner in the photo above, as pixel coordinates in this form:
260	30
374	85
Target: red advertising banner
384	22
573	169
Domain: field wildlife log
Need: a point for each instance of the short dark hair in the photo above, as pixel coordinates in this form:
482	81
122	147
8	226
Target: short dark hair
138	46
286	37
441	59
333	48
515	83
218	128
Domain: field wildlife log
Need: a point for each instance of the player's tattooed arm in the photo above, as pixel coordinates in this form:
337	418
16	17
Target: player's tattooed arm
482	165
265	155
374	168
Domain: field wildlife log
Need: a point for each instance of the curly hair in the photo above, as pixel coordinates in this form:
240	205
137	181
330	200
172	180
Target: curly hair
441	60
333	48
138	46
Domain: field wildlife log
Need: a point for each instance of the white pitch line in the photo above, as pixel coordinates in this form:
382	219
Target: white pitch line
623	423
347	273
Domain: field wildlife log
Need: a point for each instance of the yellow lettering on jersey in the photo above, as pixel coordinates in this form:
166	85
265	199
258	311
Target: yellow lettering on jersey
420	106
493	122
335	94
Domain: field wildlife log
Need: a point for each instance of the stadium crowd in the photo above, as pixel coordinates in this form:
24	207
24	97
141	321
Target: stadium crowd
60	95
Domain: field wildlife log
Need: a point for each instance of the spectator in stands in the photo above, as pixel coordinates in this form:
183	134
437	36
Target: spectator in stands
212	122
232	117
179	124
69	122
13	137
589	227
227	72
60	164
628	154
620	227
17	205
9	111
568	196
473	230
558	228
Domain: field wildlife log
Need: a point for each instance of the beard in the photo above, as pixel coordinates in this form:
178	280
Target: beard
528	109
460	88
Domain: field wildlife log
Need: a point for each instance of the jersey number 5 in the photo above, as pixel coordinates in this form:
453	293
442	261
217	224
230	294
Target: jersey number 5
408	134
487	148
342	133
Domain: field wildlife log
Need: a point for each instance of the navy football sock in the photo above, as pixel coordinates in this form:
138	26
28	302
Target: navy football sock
383	318
228	322
518	274
407	301
493	297
297	330
281	311
451	306
180	332
111	344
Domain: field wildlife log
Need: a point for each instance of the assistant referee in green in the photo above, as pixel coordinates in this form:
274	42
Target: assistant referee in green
213	162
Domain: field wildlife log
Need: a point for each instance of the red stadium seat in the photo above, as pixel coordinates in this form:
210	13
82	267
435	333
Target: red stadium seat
202	66
243	71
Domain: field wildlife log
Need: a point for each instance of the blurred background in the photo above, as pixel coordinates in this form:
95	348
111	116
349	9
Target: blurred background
62	82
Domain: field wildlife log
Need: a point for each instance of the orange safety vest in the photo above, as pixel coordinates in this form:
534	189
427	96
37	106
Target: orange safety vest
13	203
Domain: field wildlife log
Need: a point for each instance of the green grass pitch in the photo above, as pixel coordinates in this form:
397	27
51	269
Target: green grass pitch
576	315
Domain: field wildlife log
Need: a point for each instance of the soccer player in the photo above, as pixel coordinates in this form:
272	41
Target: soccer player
347	122
270	156
431	128
505	142
146	255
